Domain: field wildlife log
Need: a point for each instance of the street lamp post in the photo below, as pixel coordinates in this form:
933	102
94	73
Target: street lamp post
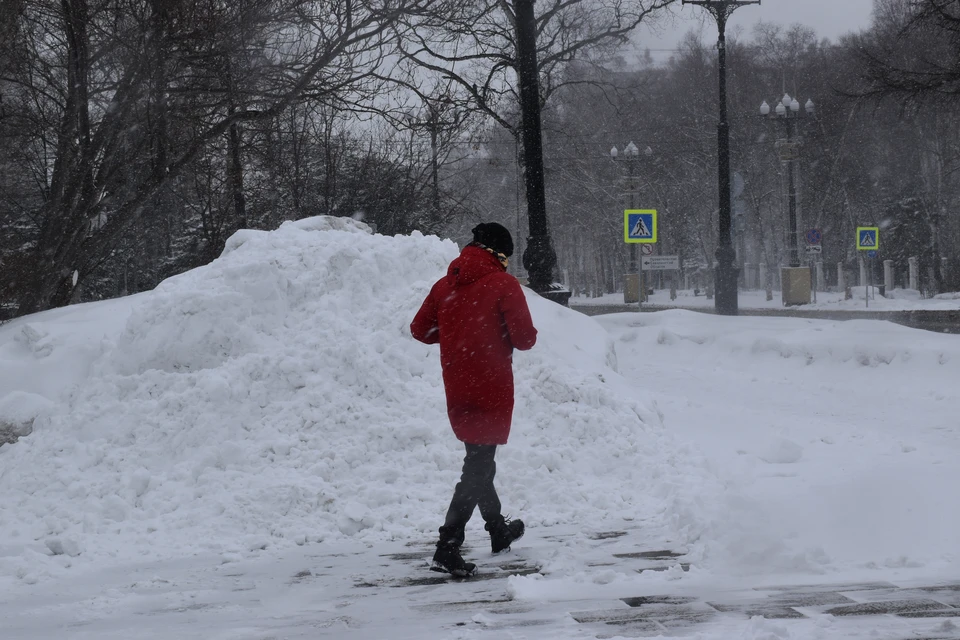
725	277
539	258
632	283
787	111
795	282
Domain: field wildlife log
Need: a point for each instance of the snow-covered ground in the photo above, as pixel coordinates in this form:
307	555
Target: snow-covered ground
232	454
896	300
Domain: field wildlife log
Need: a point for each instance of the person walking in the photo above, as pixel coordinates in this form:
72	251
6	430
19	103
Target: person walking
478	315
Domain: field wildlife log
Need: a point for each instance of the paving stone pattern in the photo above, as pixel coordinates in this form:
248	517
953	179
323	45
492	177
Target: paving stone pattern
668	613
653	615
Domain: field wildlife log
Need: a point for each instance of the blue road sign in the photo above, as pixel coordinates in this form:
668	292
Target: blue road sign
814	236
871	254
640	225
868	238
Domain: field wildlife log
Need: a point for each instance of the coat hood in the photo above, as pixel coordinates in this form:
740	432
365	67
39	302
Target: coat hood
472	264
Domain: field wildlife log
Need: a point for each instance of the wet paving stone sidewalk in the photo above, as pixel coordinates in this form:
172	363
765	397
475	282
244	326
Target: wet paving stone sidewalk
646	615
653	615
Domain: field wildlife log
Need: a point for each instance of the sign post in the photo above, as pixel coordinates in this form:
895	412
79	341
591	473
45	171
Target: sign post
814	250
640	226
662	263
868	239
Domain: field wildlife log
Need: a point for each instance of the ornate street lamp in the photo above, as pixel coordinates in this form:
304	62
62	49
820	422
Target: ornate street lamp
787	111
725	277
630	154
632	285
796	289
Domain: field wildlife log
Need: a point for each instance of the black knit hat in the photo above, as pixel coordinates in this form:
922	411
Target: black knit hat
494	236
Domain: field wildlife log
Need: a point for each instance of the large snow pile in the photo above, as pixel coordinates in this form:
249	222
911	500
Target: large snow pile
276	397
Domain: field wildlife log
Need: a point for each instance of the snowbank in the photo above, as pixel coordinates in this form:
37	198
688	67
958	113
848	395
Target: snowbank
895	300
744	342
275	397
836	439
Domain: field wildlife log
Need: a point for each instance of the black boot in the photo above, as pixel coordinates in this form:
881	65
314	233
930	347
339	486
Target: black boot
447	559
503	532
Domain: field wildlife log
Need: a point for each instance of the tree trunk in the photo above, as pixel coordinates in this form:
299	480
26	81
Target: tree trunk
64	223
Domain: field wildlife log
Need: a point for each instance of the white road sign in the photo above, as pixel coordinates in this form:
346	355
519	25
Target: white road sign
660	263
814	248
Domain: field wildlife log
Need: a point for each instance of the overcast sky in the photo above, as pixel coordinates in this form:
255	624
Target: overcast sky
829	18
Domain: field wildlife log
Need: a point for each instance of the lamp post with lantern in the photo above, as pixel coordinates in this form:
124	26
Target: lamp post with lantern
787	112
632	280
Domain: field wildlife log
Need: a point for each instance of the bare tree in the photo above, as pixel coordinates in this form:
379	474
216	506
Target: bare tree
911	53
99	70
475	46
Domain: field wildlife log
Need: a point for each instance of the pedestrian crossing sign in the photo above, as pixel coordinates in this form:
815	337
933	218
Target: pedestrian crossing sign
868	238
640	225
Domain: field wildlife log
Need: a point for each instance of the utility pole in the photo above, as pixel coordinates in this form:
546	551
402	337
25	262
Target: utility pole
539	259
725	277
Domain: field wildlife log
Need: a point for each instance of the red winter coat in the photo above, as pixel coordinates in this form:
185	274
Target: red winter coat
478	314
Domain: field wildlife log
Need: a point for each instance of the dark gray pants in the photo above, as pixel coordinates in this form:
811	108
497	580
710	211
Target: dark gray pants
475	489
